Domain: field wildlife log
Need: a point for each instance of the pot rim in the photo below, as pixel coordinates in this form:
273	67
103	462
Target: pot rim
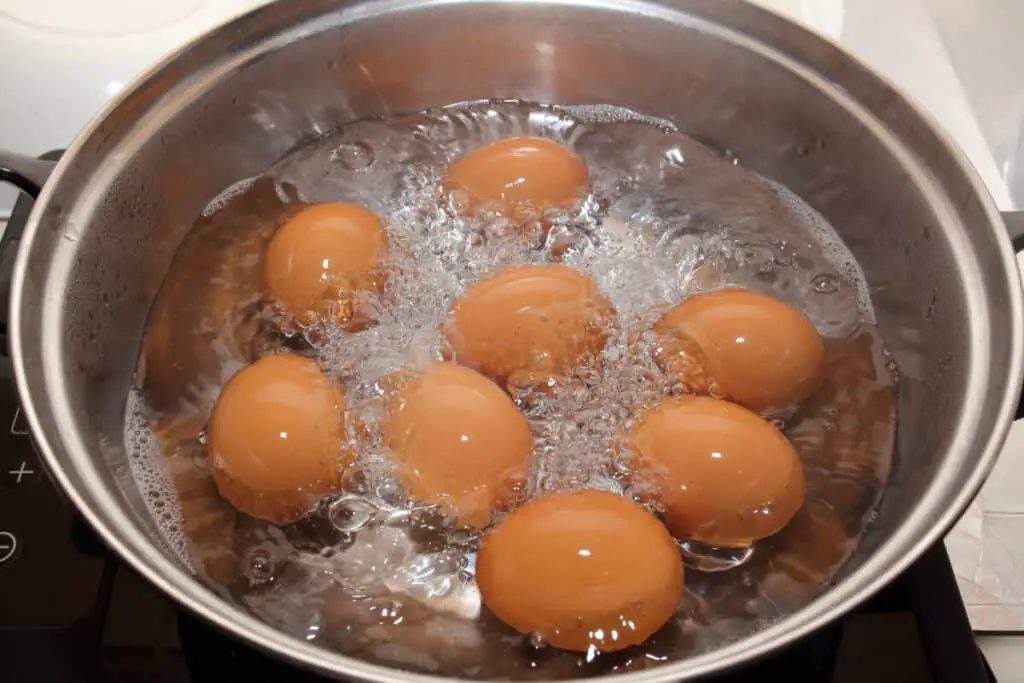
889	560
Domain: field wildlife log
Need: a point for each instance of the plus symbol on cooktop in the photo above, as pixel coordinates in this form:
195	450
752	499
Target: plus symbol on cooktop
23	471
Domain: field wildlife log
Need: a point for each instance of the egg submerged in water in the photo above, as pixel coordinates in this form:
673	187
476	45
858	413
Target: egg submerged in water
322	260
528	325
457	439
582	570
520	175
725	476
276	435
756	350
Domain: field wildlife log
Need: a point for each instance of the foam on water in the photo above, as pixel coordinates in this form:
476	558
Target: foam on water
225	197
376	576
154	483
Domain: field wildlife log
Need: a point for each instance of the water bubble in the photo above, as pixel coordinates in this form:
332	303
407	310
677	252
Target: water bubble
355	156
536	641
674	157
708	558
768	272
203	437
431	517
259	567
387	611
390	492
351	513
681	244
455	202
287	193
429	525
778	423
463	536
825	284
714	391
314	628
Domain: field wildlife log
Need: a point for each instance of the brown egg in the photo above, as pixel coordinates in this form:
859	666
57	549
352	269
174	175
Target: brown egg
527	324
276	438
457	438
319	262
520	174
582	569
725	476
758	351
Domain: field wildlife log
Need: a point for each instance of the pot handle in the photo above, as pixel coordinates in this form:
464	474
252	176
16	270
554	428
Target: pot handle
29	175
1014	221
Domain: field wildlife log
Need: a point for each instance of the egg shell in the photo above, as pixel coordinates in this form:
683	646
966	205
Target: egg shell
725	476
276	438
758	351
519	175
457	439
527	324
319	262
581	569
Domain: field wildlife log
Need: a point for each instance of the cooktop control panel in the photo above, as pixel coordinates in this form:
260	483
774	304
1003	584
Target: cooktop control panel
54	574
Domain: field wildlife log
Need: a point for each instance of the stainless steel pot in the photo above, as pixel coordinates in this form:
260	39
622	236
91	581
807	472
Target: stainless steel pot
794	107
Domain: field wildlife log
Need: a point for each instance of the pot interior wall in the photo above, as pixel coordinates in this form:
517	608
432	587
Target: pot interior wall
233	104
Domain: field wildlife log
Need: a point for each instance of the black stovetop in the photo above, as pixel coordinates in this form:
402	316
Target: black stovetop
71	613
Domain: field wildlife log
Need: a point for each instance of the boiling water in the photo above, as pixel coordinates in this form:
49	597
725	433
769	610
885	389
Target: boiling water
374	576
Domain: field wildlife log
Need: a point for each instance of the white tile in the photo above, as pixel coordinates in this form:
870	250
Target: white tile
1005	654
964	545
1004	490
987	553
997	618
1002	564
